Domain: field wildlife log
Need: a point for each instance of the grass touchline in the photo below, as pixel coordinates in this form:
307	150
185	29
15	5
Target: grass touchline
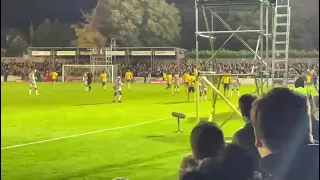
83	134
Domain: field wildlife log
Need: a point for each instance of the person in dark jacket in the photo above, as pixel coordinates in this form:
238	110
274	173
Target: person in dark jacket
282	128
234	163
206	141
245	136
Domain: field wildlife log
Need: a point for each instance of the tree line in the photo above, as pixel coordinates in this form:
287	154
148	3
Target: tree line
155	23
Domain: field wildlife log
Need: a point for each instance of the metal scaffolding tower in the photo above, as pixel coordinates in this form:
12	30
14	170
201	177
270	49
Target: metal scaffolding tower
280	42
268	12
103	56
108	52
96	57
262	32
278	32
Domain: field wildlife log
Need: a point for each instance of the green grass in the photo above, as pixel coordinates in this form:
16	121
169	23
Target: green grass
142	152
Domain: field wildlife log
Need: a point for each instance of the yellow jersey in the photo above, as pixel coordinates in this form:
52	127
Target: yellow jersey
128	75
309	78
164	75
191	81
195	71
169	78
103	77
186	77
226	79
54	75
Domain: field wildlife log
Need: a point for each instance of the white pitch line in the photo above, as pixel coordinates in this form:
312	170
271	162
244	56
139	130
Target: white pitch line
83	134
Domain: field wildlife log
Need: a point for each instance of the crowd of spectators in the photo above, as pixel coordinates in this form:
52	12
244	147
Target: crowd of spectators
278	142
157	69
240	67
24	68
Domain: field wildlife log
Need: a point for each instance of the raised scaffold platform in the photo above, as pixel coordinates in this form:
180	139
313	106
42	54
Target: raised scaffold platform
266	33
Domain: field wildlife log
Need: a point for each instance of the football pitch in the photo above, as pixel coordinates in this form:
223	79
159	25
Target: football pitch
67	133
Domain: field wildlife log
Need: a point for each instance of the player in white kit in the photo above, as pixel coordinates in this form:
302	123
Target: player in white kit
176	83
84	79
235	83
117	90
203	90
33	84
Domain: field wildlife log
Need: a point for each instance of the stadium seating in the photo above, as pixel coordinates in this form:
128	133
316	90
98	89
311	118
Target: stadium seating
141	69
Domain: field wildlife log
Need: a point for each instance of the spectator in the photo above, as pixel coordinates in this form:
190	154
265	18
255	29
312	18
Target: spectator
235	163
206	140
239	161
281	122
193	175
314	101
245	136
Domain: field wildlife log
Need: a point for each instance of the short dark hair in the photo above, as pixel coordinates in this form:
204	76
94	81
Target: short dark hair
299	82
193	175
238	161
245	104
206	140
282	119
233	163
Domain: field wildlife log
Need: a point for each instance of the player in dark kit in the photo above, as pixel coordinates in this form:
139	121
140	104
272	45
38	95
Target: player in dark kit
89	80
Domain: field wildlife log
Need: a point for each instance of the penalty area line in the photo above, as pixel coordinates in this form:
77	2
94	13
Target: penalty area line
83	134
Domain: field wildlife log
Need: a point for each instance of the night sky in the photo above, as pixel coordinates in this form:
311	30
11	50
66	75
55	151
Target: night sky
19	13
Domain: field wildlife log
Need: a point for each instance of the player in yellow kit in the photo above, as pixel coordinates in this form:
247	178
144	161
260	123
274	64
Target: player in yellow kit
226	80
186	77
104	78
54	77
129	78
169	82
164	76
309	78
191	86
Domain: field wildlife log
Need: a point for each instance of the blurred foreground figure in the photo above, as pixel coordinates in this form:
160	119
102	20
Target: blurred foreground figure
282	125
206	141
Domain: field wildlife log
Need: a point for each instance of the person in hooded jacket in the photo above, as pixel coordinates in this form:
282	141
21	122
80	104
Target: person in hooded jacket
282	127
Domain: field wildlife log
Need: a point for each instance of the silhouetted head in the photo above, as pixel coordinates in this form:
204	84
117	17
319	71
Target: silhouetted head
281	120
206	140
245	102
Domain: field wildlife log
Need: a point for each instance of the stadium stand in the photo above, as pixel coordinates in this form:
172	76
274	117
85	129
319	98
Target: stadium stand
141	69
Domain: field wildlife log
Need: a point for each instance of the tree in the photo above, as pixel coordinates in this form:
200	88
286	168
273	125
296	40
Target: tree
88	36
13	41
161	24
54	34
305	24
118	19
137	22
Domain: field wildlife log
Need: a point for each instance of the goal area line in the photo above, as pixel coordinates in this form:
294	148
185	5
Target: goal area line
84	134
87	133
